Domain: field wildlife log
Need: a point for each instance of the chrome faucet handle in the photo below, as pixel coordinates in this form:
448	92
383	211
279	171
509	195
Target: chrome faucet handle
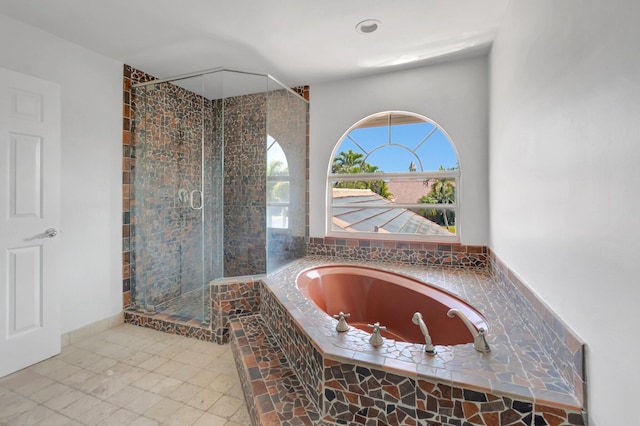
376	338
479	341
342	323
376	327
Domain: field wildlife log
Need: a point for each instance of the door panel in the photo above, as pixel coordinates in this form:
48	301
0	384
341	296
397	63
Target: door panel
25	290
25	175
29	207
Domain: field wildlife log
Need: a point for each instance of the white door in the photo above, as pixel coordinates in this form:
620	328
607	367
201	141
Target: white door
29	220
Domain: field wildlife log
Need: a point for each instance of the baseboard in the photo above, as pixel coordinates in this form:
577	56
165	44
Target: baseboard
91	329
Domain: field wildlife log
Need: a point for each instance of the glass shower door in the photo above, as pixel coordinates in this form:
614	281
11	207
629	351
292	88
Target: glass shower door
170	201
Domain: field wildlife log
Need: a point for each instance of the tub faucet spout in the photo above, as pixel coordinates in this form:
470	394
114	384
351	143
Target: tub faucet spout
479	341
428	345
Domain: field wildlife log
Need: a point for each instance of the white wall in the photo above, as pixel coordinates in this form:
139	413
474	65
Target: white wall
91	135
565	177
453	94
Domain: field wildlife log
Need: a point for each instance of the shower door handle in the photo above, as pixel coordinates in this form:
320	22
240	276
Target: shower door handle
192	202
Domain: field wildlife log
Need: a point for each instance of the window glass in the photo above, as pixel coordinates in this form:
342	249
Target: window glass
277	185
410	183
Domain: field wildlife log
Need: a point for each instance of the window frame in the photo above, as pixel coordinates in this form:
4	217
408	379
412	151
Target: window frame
275	179
386	176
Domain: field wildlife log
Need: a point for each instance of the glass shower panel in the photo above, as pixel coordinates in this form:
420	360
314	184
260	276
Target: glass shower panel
213	174
169	198
286	189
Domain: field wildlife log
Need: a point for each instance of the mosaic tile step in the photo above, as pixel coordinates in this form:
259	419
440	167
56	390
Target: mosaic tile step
273	392
172	324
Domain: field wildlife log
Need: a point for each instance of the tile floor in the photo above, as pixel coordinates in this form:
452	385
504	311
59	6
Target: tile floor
128	375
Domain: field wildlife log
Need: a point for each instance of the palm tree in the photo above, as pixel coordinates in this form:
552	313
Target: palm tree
347	162
277	190
443	191
352	162
277	168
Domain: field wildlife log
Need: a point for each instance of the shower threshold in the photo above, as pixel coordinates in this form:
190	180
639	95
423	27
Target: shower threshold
188	306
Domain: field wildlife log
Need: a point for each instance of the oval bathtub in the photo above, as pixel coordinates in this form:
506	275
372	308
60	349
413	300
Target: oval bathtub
372	295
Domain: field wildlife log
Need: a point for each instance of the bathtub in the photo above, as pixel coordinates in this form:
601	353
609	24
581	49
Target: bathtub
372	295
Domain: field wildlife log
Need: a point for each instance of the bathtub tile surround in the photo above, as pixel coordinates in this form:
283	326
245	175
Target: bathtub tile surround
517	383
566	349
357	394
410	253
301	353
482	408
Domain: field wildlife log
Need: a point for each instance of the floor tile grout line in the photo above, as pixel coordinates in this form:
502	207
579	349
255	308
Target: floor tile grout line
199	356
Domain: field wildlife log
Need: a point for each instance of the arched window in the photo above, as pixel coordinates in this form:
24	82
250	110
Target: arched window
394	175
277	185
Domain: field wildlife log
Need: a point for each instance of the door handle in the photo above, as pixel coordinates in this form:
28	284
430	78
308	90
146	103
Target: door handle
192	202
49	233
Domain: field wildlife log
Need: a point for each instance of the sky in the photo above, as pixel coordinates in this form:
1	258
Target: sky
436	151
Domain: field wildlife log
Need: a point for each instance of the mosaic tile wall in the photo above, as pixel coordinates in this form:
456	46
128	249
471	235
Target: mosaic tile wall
169	128
410	253
232	298
442	404
562	345
245	183
355	394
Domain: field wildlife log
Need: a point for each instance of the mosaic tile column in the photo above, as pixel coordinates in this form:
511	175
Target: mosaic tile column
232	298
130	76
245	207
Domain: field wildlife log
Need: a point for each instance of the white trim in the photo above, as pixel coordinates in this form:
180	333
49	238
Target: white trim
399	206
361	235
91	329
382	175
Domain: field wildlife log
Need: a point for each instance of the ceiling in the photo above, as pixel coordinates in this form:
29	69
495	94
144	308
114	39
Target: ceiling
296	41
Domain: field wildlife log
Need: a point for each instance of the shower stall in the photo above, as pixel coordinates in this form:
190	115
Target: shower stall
218	187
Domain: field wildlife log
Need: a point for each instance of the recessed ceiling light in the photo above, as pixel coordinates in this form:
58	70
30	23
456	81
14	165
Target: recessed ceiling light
368	26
